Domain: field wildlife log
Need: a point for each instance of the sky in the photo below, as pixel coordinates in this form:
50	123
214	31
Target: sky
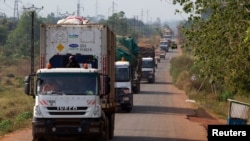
145	10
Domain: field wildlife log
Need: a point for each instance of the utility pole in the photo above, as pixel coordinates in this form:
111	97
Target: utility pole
113	10
32	72
16	13
78	8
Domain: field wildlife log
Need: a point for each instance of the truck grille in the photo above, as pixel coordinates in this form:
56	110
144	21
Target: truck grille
119	92
75	111
145	74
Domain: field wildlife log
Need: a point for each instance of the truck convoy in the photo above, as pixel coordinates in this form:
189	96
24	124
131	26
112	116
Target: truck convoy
128	71
147	52
84	105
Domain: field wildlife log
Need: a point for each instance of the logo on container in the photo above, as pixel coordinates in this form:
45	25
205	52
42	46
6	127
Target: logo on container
73	36
73	45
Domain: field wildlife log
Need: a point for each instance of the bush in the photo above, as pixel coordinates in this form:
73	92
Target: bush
224	96
5	125
24	116
180	64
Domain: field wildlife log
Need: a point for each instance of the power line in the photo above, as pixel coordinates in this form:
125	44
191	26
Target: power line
66	14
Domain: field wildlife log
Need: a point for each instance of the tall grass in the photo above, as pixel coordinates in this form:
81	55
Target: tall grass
201	90
15	106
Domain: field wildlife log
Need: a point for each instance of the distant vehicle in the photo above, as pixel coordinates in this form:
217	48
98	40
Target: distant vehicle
163	54
147	52
173	45
164	45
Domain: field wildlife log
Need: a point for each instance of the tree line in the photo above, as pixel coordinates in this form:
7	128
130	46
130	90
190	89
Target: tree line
15	37
216	36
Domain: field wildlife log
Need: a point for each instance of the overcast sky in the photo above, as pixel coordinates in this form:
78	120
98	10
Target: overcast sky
146	10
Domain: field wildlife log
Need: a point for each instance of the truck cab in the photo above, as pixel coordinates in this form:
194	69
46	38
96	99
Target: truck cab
78	97
148	69
123	85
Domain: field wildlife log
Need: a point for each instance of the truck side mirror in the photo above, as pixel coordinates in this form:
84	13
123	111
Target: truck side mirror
107	85
27	85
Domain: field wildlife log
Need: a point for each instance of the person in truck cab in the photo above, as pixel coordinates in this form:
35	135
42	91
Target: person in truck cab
50	86
72	63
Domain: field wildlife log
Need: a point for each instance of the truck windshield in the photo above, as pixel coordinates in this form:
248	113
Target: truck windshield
147	64
68	83
163	43
122	74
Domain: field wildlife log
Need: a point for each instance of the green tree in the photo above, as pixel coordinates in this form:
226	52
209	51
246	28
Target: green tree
19	40
215	35
3	34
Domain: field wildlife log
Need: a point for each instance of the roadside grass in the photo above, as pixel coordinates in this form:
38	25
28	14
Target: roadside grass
201	91
15	106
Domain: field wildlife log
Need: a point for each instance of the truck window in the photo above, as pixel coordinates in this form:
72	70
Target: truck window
70	84
147	64
122	74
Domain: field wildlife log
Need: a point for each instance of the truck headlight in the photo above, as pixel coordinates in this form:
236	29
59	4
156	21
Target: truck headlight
125	98
126	90
97	112
37	111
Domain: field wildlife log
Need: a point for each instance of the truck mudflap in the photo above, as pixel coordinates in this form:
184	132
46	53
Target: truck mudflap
67	128
136	87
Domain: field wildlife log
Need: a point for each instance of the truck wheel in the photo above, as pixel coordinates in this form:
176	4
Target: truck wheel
111	118
105	136
135	91
128	109
38	139
139	88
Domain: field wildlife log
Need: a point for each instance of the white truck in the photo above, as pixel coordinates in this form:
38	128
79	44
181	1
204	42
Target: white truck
128	70
123	86
84	106
148	69
147	52
164	45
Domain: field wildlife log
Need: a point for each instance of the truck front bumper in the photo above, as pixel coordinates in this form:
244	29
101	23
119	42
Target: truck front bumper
66	127
125	100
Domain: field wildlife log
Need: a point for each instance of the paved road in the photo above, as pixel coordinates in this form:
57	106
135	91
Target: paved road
159	114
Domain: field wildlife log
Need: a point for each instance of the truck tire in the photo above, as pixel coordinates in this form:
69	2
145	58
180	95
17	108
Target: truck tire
111	118
38	139
128	109
151	80
136	89
139	88
105	135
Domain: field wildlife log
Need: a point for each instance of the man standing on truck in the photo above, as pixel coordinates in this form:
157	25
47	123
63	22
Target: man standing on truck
72	63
